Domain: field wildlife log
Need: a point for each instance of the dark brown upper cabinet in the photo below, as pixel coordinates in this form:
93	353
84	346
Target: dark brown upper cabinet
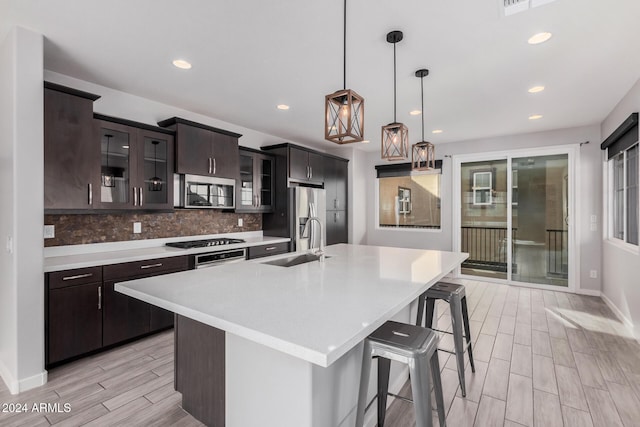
305	166
70	156
136	166
255	190
204	150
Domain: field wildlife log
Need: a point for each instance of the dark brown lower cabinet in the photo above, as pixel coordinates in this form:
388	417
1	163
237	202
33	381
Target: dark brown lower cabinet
74	321
124	317
336	227
84	313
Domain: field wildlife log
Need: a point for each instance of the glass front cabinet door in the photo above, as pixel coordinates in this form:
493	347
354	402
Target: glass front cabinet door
136	170
255	192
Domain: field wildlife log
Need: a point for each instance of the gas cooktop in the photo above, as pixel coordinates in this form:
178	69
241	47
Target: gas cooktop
190	244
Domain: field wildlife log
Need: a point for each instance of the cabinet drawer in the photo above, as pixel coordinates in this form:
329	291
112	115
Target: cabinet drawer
151	267
268	250
78	276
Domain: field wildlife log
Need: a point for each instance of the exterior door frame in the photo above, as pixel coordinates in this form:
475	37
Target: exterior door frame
573	238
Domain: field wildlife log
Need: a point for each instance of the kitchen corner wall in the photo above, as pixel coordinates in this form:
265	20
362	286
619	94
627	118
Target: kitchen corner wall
102	228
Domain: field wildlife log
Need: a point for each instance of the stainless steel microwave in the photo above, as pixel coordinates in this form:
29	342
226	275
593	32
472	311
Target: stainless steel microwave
194	191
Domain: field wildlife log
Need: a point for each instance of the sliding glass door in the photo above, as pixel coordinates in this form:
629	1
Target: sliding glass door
514	218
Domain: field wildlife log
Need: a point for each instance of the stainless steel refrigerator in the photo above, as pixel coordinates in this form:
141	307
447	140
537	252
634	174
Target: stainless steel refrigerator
307	202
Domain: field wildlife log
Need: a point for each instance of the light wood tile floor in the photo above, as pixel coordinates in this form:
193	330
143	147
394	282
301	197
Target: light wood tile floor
543	358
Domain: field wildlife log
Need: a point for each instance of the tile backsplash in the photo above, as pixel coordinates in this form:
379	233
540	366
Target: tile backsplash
101	228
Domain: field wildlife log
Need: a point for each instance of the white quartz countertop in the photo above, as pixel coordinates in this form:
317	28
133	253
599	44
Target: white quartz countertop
92	259
314	311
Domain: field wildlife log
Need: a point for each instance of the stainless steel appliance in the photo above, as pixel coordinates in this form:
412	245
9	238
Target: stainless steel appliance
214	259
194	191
203	243
306	203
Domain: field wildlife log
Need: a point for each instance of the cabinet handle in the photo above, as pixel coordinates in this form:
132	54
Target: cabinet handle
255	200
140	190
214	165
335	217
90	194
77	276
135	196
270	248
310	172
99	297
210	167
144	267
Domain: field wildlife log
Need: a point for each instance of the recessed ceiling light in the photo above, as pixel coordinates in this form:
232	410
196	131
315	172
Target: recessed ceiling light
539	38
437	131
365	141
415	112
536	89
181	63
535	117
283	107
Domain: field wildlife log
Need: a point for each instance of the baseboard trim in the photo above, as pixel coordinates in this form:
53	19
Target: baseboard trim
34	381
9	381
589	292
18	386
624	319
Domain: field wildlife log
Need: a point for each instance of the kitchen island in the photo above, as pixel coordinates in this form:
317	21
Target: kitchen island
288	339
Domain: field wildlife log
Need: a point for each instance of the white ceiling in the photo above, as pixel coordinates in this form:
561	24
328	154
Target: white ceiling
248	56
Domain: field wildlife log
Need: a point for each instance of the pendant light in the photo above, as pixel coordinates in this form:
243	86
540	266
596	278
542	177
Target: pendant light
395	136
423	152
108	177
344	109
156	182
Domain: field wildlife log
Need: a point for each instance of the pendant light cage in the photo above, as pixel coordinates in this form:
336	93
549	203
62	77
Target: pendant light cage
423	156
423	153
395	136
344	109
155	184
395	142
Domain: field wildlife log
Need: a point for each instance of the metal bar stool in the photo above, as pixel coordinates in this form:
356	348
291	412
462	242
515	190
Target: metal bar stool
415	346
455	296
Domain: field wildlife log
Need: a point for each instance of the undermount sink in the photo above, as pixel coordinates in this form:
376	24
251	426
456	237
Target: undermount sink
295	260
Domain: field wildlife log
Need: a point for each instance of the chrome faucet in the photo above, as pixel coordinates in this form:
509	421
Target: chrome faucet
320	251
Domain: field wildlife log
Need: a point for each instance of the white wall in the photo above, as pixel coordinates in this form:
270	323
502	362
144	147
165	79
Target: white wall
21	160
590	200
621	275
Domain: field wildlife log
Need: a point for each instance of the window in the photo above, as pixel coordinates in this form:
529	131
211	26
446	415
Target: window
409	201
624	194
404	200
482	188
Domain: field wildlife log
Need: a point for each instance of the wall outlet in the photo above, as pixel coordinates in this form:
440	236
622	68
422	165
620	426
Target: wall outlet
240	222
49	231
137	227
593	274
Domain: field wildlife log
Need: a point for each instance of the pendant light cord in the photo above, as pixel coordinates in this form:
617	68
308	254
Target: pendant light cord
344	47
394	82
422	97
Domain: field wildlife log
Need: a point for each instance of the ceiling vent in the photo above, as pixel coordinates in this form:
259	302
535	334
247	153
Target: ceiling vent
511	7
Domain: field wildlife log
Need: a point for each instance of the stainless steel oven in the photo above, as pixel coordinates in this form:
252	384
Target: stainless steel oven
214	259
